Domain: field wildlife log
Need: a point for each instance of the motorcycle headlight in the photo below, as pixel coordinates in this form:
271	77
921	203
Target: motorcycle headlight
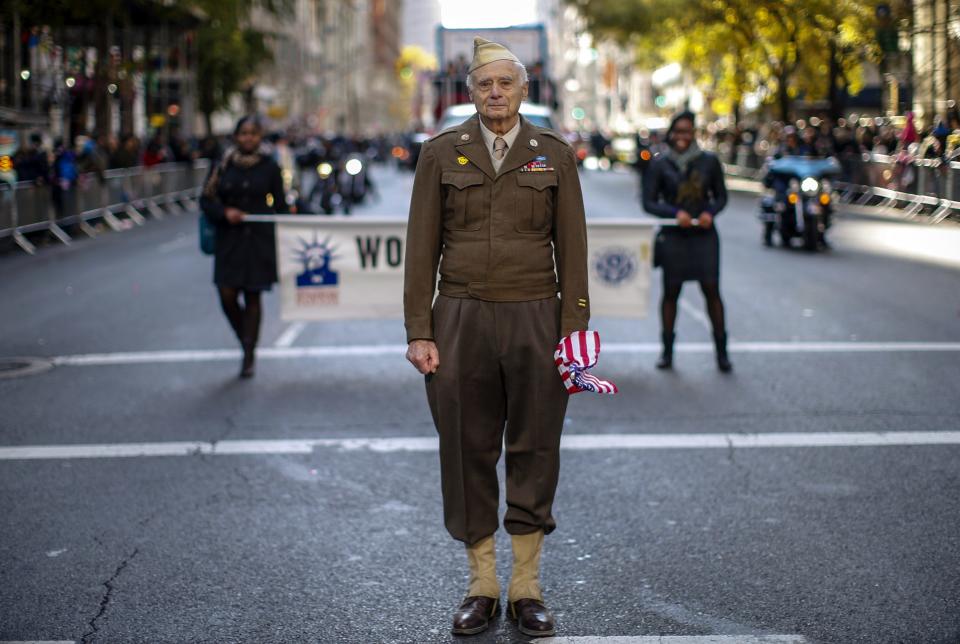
324	170
810	186
794	185
353	167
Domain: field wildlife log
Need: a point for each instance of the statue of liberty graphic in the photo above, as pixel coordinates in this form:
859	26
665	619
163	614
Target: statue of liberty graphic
316	258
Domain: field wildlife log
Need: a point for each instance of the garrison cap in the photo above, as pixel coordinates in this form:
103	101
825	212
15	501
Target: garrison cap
485	52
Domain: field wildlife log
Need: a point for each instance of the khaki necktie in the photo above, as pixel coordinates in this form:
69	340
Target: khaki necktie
499	148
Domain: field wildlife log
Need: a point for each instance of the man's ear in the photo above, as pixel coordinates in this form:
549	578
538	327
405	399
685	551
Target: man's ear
526	90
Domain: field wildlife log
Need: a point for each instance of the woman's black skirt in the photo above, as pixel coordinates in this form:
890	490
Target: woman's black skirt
689	255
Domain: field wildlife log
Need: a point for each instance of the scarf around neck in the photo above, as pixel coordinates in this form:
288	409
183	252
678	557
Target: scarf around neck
235	157
683	159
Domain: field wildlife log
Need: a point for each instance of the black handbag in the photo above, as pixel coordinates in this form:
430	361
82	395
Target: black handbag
208	236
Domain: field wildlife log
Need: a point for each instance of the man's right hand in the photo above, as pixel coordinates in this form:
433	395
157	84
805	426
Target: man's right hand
684	220
423	355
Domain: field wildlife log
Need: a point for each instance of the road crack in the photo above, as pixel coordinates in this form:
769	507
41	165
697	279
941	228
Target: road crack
105	600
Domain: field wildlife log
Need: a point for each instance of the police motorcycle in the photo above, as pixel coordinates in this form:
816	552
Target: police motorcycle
353	180
317	181
324	193
798	200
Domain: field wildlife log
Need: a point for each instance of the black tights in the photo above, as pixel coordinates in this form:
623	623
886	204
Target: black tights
671	297
244	320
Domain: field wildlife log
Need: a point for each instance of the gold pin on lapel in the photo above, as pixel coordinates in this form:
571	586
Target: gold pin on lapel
463	160
269	200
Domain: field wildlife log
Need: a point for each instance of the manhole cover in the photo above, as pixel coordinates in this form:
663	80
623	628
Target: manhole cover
19	367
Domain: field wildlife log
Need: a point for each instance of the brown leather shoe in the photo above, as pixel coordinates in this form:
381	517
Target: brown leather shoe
533	618
474	615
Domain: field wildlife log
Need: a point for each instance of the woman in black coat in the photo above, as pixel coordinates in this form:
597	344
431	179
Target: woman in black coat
246	181
687	184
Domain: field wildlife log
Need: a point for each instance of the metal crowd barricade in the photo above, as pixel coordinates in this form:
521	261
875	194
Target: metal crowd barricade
27	207
116	195
953	181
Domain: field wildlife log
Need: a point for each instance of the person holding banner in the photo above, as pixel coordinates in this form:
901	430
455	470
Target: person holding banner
497	209
686	183
246	181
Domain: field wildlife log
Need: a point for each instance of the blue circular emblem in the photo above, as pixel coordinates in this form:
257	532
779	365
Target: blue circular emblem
615	265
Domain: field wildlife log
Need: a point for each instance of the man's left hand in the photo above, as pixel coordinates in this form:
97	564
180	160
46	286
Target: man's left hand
705	219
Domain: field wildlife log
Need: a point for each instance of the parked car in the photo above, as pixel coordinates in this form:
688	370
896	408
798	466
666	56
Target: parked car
539	115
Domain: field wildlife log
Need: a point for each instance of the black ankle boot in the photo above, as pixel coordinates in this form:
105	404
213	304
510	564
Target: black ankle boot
666	357
249	356
723	360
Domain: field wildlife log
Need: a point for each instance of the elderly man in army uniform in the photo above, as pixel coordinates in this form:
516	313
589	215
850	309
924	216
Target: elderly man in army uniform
497	209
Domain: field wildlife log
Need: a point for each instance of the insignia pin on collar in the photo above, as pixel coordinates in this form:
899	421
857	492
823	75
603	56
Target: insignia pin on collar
463	160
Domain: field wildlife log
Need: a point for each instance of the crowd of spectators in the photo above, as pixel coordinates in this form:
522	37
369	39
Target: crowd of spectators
38	162
874	151
843	138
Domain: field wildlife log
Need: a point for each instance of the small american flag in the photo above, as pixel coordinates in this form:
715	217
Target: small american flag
575	354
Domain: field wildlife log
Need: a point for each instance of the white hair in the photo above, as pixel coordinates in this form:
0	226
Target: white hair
520	66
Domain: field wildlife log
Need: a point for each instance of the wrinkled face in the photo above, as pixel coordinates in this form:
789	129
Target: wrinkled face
248	137
497	90
682	135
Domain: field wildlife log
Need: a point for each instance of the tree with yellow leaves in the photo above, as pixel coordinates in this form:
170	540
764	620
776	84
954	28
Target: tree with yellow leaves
780	49
410	66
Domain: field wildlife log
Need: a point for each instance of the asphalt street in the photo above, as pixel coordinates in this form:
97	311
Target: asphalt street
825	540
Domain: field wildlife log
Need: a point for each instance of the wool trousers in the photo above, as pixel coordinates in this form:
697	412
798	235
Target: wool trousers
497	385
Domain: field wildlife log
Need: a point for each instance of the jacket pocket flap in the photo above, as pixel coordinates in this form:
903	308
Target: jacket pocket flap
537	180
461	180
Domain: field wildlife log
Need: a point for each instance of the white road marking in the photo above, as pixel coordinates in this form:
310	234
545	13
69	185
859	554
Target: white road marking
579	442
37	642
689	309
290	335
398	351
678	639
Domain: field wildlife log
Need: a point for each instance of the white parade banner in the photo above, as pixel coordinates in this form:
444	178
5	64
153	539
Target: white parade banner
620	263
337	267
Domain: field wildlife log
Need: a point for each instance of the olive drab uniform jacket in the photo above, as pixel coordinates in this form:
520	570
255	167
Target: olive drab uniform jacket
516	236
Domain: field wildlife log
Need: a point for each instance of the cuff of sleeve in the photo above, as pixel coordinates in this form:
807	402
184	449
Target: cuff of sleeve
419	332
409	340
568	326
